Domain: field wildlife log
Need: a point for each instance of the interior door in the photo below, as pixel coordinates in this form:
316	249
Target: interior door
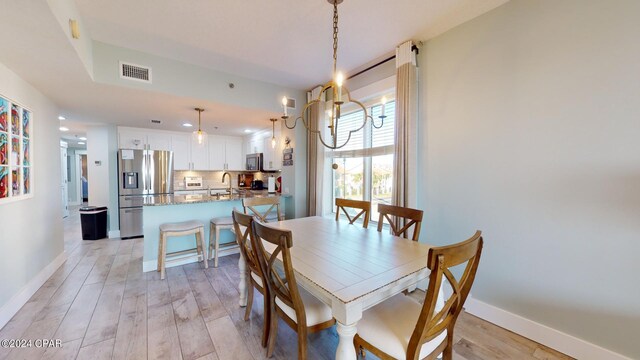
64	182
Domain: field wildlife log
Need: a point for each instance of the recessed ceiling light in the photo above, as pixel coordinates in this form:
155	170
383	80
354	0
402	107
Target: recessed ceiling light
248	130
82	138
187	125
80	143
62	128
62	117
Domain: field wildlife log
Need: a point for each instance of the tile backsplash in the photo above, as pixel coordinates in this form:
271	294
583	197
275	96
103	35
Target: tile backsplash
213	179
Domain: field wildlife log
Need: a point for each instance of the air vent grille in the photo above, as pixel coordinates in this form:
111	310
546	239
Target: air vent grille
154	121
135	72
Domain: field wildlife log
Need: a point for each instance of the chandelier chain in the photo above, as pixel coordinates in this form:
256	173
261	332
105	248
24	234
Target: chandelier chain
335	35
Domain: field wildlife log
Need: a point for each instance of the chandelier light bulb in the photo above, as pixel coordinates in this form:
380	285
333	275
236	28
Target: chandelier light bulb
284	105
339	82
384	101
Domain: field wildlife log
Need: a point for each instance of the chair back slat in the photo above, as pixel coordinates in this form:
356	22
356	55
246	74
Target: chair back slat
256	206
363	206
242	225
432	323
400	220
280	280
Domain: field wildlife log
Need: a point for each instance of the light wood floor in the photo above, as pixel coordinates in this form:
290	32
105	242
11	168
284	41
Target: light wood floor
101	305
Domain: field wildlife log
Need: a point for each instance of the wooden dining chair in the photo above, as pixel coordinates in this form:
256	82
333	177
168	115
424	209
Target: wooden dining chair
411	217
256	207
363	206
242	224
389	330
300	310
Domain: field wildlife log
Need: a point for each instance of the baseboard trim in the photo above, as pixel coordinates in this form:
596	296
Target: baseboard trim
152	265
114	234
555	339
9	309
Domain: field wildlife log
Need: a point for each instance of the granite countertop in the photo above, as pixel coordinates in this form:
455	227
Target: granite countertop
198	199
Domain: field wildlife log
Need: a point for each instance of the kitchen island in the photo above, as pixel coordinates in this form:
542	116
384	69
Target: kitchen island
176	208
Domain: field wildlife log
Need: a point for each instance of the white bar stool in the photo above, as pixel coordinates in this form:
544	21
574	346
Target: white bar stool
217	224
181	229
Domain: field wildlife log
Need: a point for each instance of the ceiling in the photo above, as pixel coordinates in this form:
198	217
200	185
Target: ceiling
285	42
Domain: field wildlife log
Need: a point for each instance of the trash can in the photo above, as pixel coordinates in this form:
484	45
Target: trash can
94	222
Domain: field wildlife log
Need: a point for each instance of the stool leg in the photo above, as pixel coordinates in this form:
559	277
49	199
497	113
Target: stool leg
199	248
217	247
211	230
204	248
163	259
160	252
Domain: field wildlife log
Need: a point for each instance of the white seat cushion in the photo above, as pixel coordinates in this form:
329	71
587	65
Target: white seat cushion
257	278
317	312
225	220
389	325
181	226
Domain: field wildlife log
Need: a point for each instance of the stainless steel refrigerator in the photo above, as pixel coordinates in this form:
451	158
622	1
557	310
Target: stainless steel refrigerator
143	177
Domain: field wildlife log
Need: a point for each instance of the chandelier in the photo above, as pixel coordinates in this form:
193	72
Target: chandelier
338	95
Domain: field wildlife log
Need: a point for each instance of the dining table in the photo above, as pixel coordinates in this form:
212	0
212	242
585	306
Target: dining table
349	268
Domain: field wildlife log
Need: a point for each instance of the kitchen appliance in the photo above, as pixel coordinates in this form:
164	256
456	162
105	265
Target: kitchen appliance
254	162
257	185
193	182
143	177
244	180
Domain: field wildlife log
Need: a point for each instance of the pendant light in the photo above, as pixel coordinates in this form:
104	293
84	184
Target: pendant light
199	136
273	133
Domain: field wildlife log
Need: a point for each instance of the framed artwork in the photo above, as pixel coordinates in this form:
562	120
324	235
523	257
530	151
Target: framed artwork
16	160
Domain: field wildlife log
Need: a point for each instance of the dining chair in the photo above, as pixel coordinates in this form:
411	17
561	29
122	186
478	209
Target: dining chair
300	310
256	206
243	228
389	330
363	206
410	216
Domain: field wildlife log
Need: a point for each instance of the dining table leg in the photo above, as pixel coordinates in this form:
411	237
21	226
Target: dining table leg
242	286
346	350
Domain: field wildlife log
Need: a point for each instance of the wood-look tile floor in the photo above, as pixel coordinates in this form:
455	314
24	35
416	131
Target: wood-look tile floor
101	305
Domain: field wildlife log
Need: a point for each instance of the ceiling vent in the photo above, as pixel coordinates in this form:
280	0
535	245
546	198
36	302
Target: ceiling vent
157	122
291	103
135	72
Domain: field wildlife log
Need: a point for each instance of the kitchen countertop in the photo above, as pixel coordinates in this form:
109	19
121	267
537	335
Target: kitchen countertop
198	199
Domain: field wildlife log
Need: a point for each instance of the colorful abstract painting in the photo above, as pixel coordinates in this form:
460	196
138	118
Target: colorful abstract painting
15	150
26	180
15	181
4	114
26	118
15	119
4	149
4	182
25	152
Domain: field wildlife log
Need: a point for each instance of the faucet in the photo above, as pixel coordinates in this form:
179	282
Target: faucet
230	189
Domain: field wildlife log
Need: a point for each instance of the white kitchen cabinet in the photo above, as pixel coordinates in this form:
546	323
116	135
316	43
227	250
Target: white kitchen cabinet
225	153
181	152
188	154
141	139
255	146
271	157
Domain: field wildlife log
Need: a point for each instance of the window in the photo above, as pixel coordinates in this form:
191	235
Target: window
365	165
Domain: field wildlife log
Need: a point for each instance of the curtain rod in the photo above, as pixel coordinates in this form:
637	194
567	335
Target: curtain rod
413	48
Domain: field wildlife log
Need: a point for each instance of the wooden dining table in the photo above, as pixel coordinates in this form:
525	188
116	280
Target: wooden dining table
349	268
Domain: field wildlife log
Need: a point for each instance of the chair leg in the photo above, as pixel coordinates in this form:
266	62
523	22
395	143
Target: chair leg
204	248
163	259
273	328
266	316
216	247
447	354
302	343
247	309
211	230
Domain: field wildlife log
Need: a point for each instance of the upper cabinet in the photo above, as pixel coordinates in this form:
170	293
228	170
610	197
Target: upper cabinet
188	154
225	153
255	146
272	156
141	139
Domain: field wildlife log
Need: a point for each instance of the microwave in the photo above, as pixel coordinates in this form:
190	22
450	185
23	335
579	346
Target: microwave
254	162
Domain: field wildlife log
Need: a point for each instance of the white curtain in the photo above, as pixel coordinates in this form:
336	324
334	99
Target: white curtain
406	147
315	157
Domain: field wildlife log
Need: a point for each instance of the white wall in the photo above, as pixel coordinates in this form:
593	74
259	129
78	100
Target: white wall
102	164
31	235
530	128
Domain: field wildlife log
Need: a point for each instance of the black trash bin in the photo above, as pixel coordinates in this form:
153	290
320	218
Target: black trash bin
94	222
